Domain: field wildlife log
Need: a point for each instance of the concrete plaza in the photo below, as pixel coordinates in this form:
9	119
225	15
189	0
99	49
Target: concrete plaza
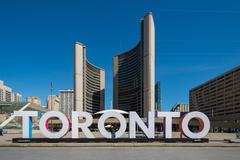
119	153
215	140
216	149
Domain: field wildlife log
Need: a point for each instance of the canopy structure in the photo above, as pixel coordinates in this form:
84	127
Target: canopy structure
111	110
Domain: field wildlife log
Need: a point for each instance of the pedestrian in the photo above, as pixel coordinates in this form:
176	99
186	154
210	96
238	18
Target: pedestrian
113	131
1	132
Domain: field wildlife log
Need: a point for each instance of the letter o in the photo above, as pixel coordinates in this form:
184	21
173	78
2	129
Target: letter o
190	116
61	117
104	117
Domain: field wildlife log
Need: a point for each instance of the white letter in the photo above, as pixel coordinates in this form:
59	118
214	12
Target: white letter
26	121
199	115
84	126
168	121
104	117
61	117
135	119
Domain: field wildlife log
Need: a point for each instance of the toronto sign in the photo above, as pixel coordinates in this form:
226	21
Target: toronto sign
133	121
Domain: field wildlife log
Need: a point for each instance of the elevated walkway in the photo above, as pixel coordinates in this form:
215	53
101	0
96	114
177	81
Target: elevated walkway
9	108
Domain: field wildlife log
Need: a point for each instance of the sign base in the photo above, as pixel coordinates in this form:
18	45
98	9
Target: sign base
104	140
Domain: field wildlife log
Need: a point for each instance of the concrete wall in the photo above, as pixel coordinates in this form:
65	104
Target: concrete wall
149	63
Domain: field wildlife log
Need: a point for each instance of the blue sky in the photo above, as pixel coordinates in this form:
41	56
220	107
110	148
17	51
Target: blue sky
195	41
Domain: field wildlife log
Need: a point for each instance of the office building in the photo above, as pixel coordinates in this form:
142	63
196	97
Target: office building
36	101
66	101
158	99
53	102
134	73
89	83
180	107
7	95
16	97
219	99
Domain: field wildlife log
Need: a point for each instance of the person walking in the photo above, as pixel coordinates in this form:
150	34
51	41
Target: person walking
1	132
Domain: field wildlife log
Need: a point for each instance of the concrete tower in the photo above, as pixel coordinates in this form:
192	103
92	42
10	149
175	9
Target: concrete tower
134	73
78	76
149	62
89	83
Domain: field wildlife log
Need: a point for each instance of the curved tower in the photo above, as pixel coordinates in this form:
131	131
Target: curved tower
89	82
134	73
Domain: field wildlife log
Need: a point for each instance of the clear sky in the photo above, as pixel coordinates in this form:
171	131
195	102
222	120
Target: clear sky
196	40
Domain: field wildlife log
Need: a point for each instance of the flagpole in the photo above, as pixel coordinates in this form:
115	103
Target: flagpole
51	88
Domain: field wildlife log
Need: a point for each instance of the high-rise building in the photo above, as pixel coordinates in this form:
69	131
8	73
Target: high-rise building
219	99
7	95
36	101
66	101
158	99
16	97
134	73
53	102
89	83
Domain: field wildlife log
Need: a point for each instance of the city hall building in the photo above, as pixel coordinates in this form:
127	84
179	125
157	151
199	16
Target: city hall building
134	73
219	99
89	83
